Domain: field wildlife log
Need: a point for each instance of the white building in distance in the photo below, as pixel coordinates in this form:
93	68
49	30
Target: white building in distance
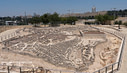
93	9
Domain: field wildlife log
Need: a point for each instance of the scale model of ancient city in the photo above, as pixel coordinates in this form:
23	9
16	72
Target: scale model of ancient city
80	47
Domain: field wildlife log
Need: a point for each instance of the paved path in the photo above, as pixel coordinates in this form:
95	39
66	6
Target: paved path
123	68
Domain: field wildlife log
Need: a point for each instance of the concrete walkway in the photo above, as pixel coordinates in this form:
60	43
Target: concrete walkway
123	68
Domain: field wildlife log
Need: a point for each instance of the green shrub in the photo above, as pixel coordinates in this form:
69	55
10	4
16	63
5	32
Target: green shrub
125	24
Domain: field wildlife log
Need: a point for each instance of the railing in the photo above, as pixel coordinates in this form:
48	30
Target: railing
110	68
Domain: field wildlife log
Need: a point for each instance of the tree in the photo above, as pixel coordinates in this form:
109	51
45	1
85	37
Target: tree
35	21
7	18
18	18
99	19
120	22
125	24
121	13
45	18
71	20
116	22
63	20
104	19
54	19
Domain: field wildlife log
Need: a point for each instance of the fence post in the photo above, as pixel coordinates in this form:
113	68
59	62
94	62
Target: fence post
118	65
106	70
1	38
33	70
112	68
45	70
99	71
20	70
60	71
8	69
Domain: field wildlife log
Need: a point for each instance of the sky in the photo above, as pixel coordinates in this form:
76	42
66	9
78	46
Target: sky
19	7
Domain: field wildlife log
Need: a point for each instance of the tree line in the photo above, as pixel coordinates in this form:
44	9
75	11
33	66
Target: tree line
52	20
45	19
20	20
120	13
104	19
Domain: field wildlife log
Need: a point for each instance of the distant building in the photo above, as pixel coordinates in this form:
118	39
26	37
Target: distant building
90	21
94	34
36	15
29	16
11	22
87	14
93	9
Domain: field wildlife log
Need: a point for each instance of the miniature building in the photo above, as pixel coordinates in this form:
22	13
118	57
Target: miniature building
94	35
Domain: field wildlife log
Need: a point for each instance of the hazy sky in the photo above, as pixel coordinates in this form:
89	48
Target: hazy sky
18	7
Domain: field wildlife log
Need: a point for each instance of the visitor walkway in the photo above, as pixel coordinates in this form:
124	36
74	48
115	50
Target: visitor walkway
123	68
